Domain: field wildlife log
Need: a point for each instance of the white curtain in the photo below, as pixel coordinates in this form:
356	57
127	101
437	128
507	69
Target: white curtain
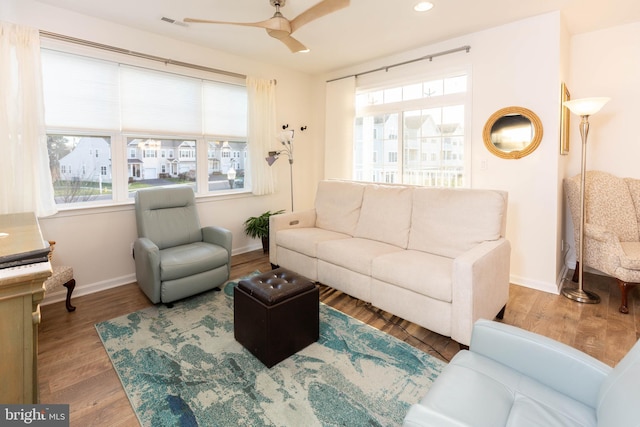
340	114
261	133
25	179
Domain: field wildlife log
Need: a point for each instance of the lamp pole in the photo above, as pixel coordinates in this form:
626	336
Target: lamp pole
580	294
584	108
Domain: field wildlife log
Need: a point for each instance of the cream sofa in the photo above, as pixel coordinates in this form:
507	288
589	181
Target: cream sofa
436	257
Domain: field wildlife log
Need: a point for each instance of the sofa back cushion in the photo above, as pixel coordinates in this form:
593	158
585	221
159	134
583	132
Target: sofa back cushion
338	205
386	214
448	222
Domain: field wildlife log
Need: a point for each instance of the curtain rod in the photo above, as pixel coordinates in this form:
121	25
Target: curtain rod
82	42
466	48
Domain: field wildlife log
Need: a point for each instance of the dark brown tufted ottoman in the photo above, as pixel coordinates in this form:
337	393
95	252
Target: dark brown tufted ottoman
276	314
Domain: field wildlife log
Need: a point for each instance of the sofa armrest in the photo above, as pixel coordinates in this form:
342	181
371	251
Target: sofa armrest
480	286
552	363
147	260
219	236
299	219
422	416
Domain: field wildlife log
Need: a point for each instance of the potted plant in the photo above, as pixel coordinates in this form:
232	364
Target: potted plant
258	227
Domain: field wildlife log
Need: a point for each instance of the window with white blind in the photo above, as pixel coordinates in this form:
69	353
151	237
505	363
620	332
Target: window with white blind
413	133
114	128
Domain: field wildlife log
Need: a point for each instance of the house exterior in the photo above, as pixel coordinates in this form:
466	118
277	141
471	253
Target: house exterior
90	160
157	159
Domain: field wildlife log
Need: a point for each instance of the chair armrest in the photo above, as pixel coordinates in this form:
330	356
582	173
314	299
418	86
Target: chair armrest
299	219
219	236
480	286
147	260
552	363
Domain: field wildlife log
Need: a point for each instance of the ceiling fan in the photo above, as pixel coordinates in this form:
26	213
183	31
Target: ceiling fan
280	27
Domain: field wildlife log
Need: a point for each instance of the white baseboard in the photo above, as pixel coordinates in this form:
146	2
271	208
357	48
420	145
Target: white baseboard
551	288
61	295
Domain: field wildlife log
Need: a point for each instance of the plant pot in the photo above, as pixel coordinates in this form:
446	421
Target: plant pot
265	244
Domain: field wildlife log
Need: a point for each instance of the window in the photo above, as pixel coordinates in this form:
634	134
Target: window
417	128
224	170
148	169
77	175
114	128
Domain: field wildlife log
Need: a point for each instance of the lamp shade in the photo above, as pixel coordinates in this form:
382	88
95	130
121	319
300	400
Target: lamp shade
585	106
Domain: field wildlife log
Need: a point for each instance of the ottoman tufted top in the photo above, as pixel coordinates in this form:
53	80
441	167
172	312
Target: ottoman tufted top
275	286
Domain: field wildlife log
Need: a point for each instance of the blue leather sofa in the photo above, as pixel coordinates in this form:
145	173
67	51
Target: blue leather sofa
512	377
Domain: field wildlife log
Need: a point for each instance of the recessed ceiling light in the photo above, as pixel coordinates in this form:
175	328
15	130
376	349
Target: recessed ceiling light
423	6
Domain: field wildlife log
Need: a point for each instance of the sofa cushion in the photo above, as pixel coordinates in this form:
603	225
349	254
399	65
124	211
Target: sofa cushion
338	205
354	254
385	215
495	395
448	222
305	240
420	272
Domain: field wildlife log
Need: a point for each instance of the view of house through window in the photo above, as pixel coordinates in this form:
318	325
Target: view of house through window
80	168
111	130
226	164
412	134
156	162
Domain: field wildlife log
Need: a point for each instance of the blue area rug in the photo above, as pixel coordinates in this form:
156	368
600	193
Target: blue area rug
181	366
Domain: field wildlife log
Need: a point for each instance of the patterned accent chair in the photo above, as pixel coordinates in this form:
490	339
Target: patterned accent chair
612	227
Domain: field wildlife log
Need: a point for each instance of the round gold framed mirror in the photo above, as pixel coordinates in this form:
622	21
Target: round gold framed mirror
512	132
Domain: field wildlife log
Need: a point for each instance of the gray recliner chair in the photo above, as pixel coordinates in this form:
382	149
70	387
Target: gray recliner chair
176	258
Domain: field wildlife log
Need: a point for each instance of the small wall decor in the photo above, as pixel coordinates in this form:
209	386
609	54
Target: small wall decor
512	132
565	120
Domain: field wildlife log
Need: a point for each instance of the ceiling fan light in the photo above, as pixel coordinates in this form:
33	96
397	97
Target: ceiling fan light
423	6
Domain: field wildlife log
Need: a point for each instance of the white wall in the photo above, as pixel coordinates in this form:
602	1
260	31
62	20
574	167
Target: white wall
606	63
96	242
512	65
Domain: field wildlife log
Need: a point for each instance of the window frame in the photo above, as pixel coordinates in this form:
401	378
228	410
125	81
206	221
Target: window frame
118	138
400	107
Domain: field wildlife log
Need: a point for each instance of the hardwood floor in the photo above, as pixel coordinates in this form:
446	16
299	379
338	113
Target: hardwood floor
74	368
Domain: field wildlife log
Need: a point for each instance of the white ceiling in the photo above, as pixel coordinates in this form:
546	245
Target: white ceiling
365	30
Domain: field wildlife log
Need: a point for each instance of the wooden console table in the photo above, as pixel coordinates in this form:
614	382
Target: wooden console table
21	291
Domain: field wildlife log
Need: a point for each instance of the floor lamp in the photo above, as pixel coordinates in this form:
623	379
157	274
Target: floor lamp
286	139
584	108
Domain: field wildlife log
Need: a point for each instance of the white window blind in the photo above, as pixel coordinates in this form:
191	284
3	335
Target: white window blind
80	92
87	93
225	109
159	101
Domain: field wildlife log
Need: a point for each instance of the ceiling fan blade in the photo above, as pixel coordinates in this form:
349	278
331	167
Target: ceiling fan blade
276	23
293	44
319	10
